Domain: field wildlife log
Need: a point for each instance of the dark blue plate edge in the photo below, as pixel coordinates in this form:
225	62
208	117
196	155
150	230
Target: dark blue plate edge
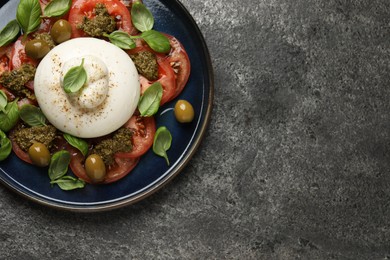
179	167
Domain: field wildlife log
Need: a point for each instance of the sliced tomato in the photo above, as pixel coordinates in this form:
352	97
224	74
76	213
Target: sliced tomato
9	94
5	55
19	56
143	129
166	77
82	8
117	171
174	68
19	152
26	101
4	64
178	59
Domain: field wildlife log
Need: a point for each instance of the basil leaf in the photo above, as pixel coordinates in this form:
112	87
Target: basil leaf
3	101
149	102
11	116
32	115
57	8
121	39
69	183
78	143
28	15
157	41
9	33
75	78
59	164
141	17
5	146
162	142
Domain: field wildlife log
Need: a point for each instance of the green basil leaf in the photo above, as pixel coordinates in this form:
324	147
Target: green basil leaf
59	164
141	17
157	41
75	78
11	116
149	102
78	143
3	101
32	115
5	146
57	8
121	39
69	183
28	15
9	33
162	142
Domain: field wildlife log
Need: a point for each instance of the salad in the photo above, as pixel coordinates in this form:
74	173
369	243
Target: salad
40	28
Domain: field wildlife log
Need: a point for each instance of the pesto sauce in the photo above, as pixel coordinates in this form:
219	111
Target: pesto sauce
15	80
119	142
146	64
26	136
45	37
102	23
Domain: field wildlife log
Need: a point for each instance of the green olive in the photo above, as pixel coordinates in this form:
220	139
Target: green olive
37	48
184	112
61	31
39	154
95	168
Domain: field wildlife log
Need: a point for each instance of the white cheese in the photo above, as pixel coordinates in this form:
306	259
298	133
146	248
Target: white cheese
107	100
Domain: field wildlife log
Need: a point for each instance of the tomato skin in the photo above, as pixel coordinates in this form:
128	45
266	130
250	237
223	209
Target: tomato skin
116	8
120	169
144	129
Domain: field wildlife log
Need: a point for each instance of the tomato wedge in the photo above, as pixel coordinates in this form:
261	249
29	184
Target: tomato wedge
143	129
118	170
82	8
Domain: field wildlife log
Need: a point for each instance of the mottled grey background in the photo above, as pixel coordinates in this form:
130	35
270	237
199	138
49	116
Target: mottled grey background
296	161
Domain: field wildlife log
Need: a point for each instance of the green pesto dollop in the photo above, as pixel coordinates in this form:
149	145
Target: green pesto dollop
15	80
45	37
146	64
120	141
101	23
26	136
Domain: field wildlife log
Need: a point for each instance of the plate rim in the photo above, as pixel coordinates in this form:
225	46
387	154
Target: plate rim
169	177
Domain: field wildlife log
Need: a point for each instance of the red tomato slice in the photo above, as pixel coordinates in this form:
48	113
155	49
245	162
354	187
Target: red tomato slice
19	152
58	143
120	169
19	56
5	55
115	8
10	95
178	59
174	68
144	129
166	77
4	64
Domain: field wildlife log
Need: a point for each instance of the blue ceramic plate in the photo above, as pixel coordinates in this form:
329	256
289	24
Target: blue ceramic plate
152	171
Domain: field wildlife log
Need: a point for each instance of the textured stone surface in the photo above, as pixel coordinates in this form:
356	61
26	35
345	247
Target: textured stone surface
296	161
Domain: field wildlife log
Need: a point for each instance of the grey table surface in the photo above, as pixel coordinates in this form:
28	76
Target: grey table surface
296	160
